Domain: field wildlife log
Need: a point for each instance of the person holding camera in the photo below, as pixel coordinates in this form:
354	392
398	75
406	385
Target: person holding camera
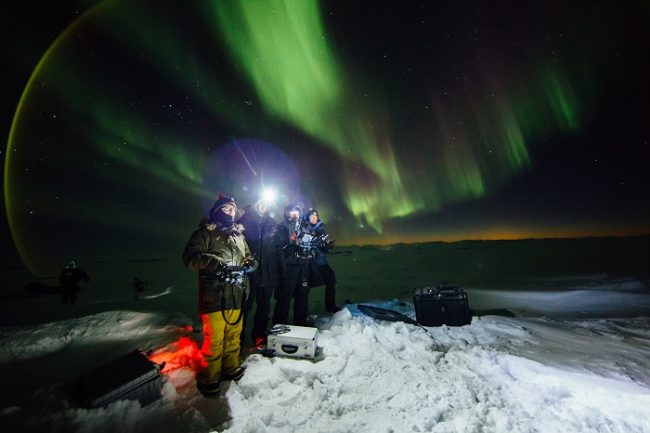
220	254
323	245
296	266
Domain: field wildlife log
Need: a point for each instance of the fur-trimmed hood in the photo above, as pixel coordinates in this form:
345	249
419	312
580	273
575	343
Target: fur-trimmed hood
236	229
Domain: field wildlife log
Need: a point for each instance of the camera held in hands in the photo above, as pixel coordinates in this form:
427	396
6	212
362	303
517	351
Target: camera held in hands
233	274
309	246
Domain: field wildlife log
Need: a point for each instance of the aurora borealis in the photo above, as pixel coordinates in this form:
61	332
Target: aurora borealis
400	121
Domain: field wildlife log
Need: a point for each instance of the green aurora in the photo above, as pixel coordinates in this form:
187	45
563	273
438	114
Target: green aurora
87	119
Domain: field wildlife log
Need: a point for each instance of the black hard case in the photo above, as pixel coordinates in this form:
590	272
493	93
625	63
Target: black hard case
133	377
444	304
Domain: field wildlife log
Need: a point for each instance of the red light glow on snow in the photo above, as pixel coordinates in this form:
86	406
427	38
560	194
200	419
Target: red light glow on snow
182	353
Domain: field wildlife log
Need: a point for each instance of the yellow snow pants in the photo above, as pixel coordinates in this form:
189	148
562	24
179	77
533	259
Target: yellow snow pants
221	343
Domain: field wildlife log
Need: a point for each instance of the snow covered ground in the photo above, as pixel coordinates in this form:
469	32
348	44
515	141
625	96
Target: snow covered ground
570	361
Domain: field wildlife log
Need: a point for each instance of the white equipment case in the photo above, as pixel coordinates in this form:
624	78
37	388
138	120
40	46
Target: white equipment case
294	341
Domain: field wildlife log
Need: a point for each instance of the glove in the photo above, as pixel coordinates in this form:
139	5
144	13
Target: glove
250	264
328	245
215	265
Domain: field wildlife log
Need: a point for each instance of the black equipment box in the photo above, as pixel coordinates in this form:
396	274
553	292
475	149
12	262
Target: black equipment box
445	304
133	377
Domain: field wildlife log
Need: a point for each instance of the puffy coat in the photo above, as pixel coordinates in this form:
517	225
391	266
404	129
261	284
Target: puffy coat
286	243
290	261
318	229
209	242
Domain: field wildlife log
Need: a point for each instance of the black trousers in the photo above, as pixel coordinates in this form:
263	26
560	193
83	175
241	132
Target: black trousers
295	285
329	278
260	295
69	294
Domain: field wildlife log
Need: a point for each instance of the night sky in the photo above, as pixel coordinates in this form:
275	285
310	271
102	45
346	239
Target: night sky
400	121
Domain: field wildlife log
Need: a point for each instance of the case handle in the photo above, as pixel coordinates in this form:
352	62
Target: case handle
289	348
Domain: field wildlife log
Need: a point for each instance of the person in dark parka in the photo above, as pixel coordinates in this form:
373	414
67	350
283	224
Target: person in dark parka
296	267
324	245
260	229
69	281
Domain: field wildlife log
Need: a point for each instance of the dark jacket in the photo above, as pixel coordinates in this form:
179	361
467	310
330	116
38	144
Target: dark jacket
71	277
260	231
295	261
287	244
209	243
318	229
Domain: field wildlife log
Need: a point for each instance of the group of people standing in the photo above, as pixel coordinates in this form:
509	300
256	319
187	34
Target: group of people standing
243	260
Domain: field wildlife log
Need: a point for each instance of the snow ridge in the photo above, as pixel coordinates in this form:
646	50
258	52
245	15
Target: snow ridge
390	377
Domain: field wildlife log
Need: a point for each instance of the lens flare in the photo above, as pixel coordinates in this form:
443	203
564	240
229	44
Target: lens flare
243	164
269	195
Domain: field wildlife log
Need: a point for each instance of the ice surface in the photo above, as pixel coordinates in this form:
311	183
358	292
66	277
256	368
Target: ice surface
574	358
498	374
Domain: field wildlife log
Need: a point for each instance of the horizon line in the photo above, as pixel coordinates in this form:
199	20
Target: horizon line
496	239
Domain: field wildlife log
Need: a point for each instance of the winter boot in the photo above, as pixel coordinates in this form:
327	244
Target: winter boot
234	375
208	389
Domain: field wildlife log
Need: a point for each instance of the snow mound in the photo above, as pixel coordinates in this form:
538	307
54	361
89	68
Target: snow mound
382	377
498	374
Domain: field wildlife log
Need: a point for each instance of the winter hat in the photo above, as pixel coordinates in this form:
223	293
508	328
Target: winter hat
223	200
216	215
293	207
311	211
71	265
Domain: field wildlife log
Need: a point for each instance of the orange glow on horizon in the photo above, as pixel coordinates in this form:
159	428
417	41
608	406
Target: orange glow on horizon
501	233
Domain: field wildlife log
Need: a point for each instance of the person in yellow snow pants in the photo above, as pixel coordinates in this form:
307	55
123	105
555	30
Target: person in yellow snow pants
221	344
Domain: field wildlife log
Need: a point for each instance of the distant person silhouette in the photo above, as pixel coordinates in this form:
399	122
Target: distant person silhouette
69	281
138	285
